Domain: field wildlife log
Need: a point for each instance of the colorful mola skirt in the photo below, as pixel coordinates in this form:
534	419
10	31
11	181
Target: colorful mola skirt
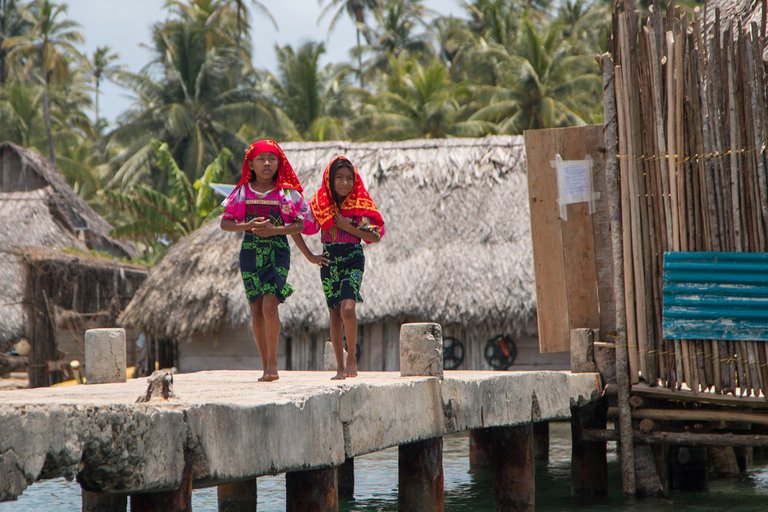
264	265
344	276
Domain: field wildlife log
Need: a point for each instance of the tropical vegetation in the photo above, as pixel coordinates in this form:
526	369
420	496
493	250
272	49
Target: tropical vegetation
502	67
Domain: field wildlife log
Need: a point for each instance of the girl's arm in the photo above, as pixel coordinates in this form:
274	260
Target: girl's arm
265	228
233	225
343	223
315	259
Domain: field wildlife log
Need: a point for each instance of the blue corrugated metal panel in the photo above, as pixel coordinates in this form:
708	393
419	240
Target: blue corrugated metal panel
715	296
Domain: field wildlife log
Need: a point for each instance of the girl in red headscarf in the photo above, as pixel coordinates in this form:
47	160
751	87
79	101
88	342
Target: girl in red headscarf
266	205
345	214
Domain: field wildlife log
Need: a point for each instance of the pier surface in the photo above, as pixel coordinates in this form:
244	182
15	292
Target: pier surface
230	427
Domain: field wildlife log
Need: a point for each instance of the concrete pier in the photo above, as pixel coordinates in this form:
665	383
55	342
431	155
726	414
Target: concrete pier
230	427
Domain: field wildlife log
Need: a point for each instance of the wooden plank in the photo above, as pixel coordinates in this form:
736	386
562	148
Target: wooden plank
549	267
578	243
601	233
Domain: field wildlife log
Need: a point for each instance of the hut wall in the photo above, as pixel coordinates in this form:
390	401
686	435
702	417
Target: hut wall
227	349
15	177
64	296
13	277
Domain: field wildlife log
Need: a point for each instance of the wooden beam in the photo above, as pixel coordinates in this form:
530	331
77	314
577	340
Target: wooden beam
688	396
680	438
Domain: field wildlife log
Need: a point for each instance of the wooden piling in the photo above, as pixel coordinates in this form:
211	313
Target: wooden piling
589	462
179	500
315	489
420	476
237	496
614	207
347	479
541	441
480	448
103	502
515	487
688	468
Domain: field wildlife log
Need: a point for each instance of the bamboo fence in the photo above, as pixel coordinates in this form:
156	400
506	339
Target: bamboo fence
691	109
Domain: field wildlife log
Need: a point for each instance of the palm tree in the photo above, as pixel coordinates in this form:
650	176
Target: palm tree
313	99
242	25
544	85
12	23
149	216
418	101
103	66
20	119
356	9
187	97
396	28
47	48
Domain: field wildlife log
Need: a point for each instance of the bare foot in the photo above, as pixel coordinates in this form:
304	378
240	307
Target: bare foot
264	377
340	375
273	376
351	369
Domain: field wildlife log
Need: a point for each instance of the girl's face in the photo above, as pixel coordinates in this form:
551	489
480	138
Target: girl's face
264	166
343	181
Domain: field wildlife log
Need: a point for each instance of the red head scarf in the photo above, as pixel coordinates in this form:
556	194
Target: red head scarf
286	177
357	204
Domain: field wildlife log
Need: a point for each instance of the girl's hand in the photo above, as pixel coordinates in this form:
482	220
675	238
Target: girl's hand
342	222
263	228
319	260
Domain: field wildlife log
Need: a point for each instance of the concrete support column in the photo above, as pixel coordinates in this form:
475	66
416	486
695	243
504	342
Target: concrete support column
105	362
541	440
103	502
105	358
420	476
237	496
347	479
480	448
589	463
515	488
316	490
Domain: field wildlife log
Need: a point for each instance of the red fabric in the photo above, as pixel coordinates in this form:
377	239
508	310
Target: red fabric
357	204
286	177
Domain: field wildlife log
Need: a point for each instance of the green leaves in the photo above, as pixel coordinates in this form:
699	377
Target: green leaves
149	216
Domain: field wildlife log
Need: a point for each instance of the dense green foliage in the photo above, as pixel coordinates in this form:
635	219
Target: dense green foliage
504	67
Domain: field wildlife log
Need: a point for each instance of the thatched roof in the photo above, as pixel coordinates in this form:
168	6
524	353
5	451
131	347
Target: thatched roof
457	248
733	12
39	209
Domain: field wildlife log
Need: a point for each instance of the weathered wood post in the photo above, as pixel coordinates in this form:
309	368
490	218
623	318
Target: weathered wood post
346	476
105	362
179	500
420	464
541	441
589	461
347	479
480	448
688	468
315	490
515	488
237	496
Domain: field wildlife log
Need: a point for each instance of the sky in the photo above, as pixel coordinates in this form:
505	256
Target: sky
125	26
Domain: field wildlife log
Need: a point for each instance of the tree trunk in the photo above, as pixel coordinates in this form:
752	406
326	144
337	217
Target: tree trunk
47	119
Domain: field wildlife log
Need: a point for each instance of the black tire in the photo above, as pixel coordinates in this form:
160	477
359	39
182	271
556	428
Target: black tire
500	352
453	353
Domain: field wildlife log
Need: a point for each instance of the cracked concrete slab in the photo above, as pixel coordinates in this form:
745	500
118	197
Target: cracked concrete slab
232	427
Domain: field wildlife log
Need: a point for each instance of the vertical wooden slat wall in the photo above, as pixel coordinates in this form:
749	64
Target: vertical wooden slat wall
692	131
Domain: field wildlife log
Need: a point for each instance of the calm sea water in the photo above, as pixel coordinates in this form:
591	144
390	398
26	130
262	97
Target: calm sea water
465	491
